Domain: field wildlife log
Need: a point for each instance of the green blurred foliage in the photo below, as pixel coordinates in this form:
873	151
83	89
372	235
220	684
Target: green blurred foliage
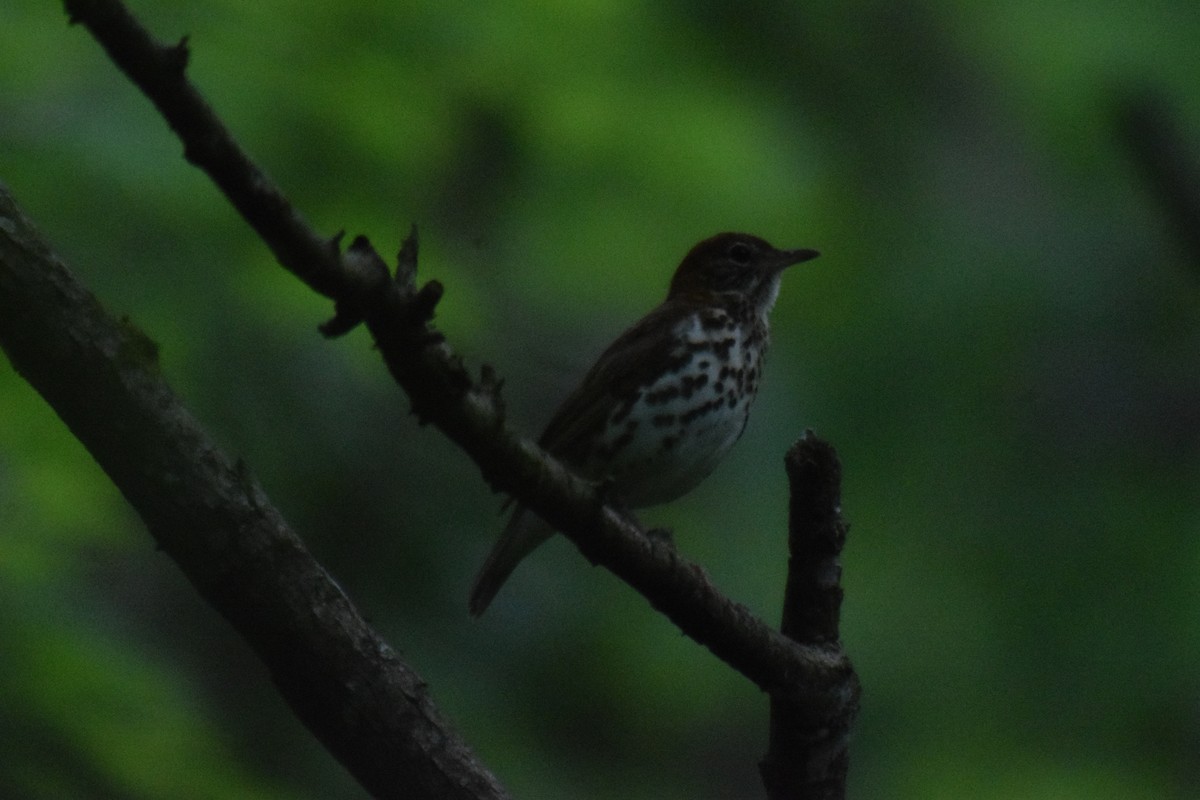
1001	338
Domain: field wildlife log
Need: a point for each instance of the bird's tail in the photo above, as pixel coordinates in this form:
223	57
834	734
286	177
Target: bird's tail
524	532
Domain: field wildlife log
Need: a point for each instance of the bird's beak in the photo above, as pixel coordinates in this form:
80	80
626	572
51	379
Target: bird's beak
786	258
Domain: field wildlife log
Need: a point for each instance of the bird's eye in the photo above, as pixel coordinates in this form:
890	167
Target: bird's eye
739	253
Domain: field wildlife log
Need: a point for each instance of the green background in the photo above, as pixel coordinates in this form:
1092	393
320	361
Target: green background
1002	339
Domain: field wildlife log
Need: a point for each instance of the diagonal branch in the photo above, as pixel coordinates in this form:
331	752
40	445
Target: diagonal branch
444	394
207	512
159	72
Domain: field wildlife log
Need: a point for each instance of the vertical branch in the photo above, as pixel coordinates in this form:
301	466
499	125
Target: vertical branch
807	754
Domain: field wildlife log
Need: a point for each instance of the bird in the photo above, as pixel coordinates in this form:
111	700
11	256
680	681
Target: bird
668	398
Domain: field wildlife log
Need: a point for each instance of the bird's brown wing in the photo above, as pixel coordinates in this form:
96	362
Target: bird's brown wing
629	363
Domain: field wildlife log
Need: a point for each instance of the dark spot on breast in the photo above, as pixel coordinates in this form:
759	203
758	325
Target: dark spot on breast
691	383
662	420
721	349
701	410
662	395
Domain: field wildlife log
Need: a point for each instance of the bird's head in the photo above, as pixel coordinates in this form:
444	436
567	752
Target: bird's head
736	264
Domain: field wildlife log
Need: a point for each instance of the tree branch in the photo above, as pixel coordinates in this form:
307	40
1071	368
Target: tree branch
159	71
208	513
443	393
809	757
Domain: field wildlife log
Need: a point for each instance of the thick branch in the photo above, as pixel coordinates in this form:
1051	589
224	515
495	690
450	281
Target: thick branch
443	393
808	757
343	681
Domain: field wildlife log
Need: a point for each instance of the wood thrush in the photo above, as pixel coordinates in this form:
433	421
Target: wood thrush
666	401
